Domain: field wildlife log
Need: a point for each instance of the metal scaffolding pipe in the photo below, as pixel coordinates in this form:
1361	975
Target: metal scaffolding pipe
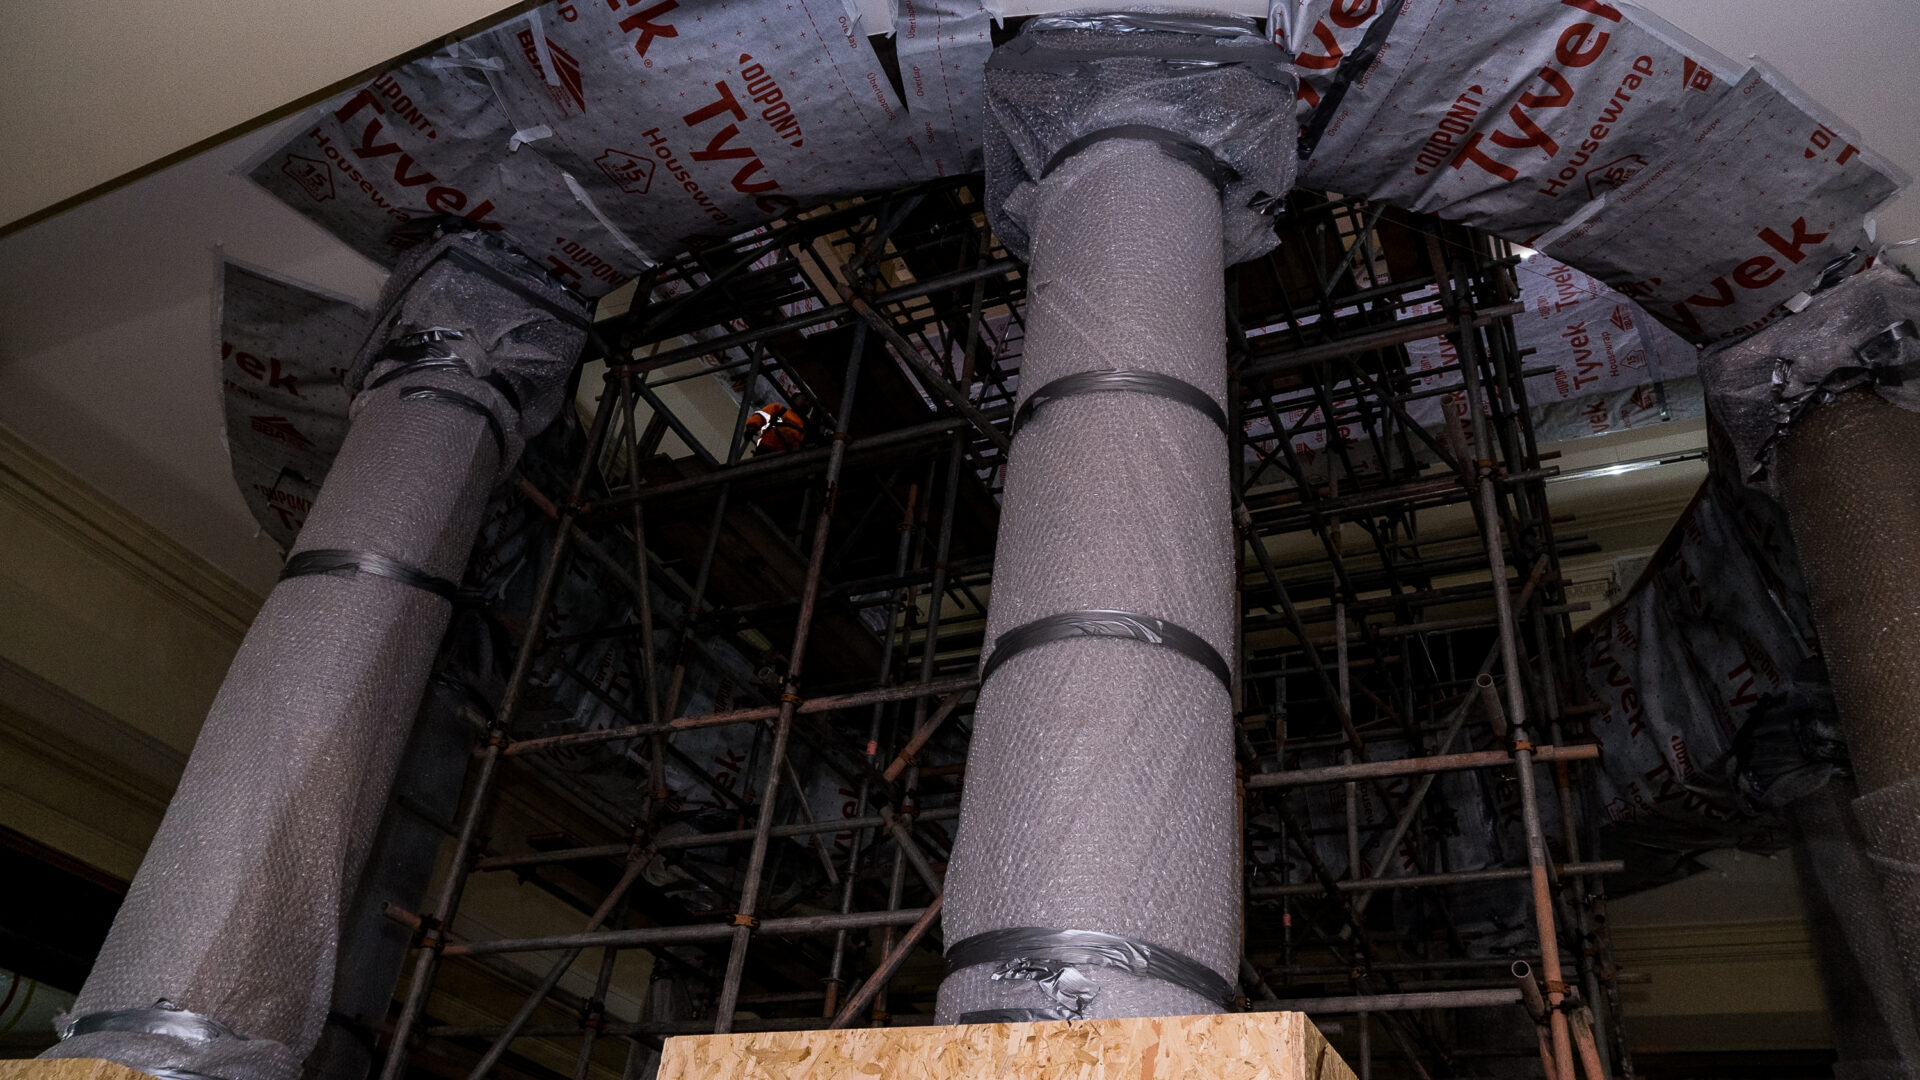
1415	881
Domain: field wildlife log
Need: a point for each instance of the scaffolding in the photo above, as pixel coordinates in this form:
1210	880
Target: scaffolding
1400	601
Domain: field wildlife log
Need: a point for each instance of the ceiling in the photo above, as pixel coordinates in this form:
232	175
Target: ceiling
107	360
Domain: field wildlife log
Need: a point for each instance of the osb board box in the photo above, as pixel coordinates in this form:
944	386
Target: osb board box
1231	1046
68	1069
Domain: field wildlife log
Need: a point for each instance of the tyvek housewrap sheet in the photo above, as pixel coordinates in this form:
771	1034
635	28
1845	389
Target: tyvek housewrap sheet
283	350
1713	706
236	911
1708	192
601	135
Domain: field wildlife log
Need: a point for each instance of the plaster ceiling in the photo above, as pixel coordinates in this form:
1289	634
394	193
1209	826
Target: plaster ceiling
107	361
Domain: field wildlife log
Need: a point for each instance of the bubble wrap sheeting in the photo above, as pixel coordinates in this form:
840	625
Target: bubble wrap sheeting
236	911
1873	1031
520	342
1847	474
1758	387
1100	781
1068	76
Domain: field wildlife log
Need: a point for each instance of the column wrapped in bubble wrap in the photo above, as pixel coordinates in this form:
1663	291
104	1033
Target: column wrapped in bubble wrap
1823	406
221	960
1096	869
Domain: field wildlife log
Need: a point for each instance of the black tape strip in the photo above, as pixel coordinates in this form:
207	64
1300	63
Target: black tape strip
1354	65
460	401
1106	624
1174	145
1125	381
1005	1016
1091	948
342	562
415	366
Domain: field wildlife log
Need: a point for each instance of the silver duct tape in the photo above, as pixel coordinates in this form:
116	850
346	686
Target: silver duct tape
664	121
281	347
1124	625
1005	1016
1214	81
163	1017
340	562
1861	334
1176	146
1050	959
1129	382
1597	131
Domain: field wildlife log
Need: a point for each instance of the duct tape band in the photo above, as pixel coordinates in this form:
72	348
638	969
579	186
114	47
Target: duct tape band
1174	145
160	1018
1124	381
1049	957
1352	67
1106	624
461	401
341	562
1005	1016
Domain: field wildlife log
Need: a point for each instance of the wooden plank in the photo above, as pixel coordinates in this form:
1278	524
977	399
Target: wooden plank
68	1069
1230	1046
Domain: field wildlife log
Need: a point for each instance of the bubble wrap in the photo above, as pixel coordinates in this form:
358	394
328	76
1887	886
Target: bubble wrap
1850	924
1100	781
1847	472
235	913
1068	76
1857	334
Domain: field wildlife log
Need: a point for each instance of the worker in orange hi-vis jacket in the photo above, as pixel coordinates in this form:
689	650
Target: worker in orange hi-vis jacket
774	427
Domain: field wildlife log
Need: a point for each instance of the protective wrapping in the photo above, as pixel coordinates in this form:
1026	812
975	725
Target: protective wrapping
1714	710
1710	192
602	135
1846	472
236	911
281	350
1100	779
1212	83
1873	1023
1861	334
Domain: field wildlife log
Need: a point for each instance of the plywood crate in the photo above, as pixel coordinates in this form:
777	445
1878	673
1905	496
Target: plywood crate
68	1069
1230	1046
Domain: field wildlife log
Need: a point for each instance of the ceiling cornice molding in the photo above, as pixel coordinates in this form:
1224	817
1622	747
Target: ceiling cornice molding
107	530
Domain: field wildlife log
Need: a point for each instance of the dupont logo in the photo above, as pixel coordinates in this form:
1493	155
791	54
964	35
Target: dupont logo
632	173
1696	76
311	174
1622	317
563	81
280	429
1614	174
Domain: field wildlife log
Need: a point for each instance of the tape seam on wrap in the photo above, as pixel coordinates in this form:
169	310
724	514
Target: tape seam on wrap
1025	952
1122	381
1174	145
460	401
344	562
1004	1016
1351	68
1106	624
163	1017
